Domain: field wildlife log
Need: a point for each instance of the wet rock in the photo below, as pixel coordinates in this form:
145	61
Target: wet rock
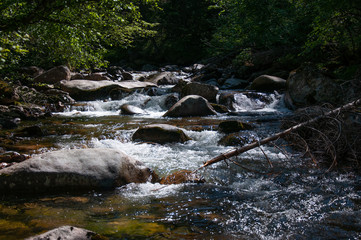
233	126
227	99
160	133
171	100
127	109
259	96
179	86
268	83
115	72
238	139
96	77
209	92
67	232
307	85
189	106
234	83
163	78
182	176
74	170
127	76
92	90
54	75
219	108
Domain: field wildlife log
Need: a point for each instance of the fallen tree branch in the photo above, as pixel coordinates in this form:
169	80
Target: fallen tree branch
276	136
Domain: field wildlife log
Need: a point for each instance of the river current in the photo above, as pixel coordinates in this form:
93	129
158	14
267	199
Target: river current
292	199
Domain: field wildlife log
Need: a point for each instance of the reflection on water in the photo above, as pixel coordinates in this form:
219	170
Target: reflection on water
291	200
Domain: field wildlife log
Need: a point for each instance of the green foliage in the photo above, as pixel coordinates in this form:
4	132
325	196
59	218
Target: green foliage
256	24
12	48
322	30
336	30
183	29
74	32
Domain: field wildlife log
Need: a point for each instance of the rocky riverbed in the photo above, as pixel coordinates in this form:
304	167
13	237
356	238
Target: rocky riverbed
93	154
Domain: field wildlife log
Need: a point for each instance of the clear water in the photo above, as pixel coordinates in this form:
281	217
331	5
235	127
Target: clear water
293	199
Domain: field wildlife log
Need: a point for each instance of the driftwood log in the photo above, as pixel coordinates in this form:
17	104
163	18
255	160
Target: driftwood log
276	136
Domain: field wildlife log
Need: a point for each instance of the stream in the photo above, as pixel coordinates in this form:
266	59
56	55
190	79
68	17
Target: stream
294	199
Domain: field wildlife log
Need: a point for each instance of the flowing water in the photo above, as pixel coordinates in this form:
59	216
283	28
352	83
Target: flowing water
291	200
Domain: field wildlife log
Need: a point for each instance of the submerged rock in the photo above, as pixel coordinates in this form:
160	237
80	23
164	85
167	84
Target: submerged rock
160	133
127	109
189	106
93	90
233	126
32	131
238	139
72	170
67	232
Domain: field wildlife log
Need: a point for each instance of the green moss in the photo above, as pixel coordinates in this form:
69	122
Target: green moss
13	229
120	228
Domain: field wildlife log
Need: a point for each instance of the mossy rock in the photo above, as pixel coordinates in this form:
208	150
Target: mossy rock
233	126
126	228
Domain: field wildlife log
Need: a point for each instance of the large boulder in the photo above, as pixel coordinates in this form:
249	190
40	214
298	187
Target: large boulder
68	233
268	83
93	90
163	78
307	85
190	106
73	170
54	75
209	92
160	133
